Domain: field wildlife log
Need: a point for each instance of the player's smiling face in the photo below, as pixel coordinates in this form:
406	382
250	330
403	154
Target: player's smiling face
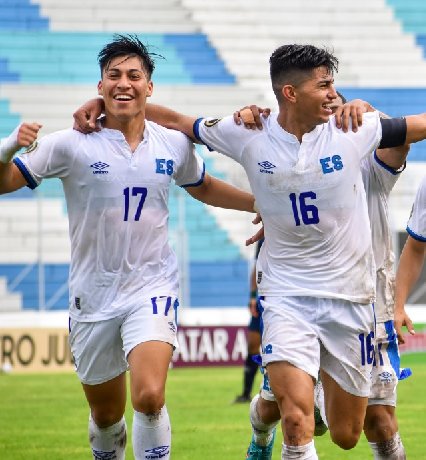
125	87
316	96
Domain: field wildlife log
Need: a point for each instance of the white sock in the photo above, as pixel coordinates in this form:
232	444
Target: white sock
393	449
306	452
152	435
108	443
262	432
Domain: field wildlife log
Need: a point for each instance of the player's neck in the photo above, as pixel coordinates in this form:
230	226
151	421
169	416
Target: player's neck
294	124
133	129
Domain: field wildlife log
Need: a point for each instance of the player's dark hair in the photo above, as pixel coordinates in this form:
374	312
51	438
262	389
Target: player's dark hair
343	98
130	46
291	64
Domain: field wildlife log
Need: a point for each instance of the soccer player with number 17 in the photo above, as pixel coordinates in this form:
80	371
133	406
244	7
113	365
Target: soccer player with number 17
123	277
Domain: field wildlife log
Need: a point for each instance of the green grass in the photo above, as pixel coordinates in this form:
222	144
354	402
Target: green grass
44	417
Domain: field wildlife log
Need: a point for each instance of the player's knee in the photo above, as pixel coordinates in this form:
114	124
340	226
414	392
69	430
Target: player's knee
380	427
105	416
346	437
296	422
149	400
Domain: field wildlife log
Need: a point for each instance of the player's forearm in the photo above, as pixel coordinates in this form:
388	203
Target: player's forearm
9	146
215	192
10	178
170	119
409	269
394	157
416	128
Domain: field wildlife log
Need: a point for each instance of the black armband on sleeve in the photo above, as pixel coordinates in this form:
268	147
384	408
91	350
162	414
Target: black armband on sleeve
394	132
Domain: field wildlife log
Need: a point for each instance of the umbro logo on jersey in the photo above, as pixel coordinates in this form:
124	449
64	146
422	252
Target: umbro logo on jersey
157	452
266	166
99	167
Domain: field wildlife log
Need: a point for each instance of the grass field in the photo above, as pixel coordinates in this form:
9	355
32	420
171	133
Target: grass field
44	417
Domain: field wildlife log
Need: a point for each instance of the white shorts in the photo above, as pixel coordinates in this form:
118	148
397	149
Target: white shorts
386	368
100	349
311	333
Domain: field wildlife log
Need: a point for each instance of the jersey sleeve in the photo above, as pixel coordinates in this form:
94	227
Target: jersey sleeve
368	136
47	158
377	174
190	166
222	135
416	226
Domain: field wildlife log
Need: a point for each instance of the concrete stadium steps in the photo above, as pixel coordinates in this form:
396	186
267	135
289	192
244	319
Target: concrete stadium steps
346	27
22	224
52	105
109	16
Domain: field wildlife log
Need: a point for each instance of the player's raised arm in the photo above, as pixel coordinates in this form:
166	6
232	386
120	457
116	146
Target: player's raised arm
416	128
217	193
11	178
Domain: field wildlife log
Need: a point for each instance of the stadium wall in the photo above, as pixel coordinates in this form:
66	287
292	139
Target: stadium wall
33	342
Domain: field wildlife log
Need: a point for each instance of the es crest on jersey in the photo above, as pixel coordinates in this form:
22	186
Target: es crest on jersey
32	147
210	123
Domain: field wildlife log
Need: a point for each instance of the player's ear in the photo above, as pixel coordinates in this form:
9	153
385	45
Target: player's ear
289	93
100	89
150	89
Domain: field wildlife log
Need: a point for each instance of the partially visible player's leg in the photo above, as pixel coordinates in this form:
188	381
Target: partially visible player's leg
264	417
98	353
380	425
250	366
345	413
291	353
346	375
381	431
107	427
149	335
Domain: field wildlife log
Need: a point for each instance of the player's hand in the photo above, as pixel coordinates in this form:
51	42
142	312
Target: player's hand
253	308
351	112
402	319
251	116
86	116
259	234
27	134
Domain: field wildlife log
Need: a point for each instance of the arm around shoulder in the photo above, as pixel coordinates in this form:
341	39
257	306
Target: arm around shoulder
170	119
220	194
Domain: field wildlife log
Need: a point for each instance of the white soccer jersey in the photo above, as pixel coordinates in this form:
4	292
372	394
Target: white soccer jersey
379	179
312	201
417	223
118	212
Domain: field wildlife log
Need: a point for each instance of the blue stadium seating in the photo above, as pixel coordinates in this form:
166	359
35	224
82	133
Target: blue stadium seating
395	102
64	57
412	15
8	120
21	15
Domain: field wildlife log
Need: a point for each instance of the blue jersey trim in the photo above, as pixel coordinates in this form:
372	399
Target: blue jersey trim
195	184
415	236
31	183
393	171
196	129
